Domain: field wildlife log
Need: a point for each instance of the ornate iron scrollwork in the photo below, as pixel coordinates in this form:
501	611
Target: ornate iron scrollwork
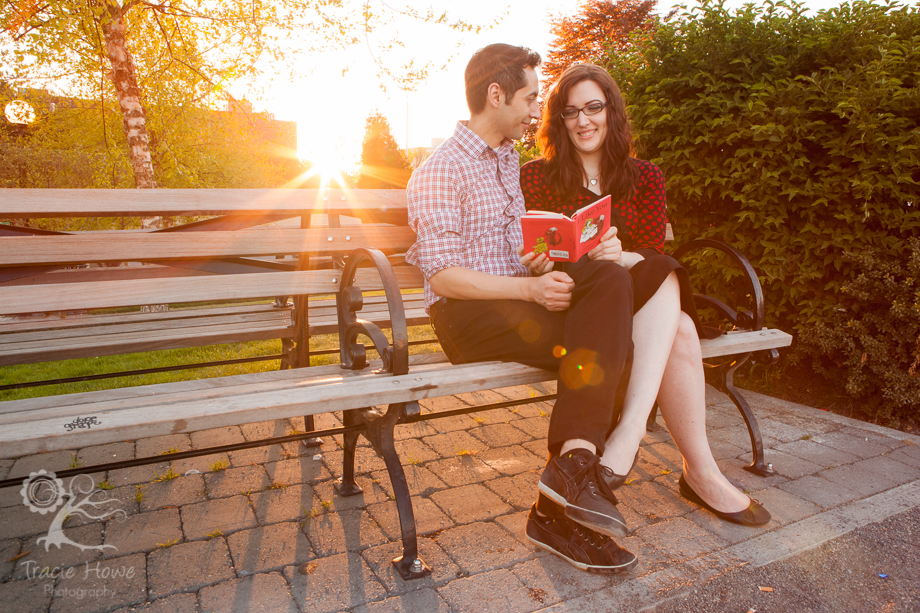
349	301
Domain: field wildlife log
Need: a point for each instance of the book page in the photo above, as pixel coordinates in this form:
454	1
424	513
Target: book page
591	223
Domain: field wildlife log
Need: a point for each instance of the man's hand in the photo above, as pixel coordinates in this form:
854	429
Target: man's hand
609	248
537	264
552	290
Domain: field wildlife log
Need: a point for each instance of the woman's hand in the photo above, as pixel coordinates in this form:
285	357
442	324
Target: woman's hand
609	248
537	264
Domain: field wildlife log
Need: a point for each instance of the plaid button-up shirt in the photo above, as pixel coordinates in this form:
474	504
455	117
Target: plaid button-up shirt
465	205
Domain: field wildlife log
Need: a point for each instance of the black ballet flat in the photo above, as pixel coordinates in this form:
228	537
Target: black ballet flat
614	480
754	515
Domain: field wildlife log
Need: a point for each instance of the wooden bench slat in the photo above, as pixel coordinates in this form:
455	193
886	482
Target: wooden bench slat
58	321
329	324
111	294
42	351
161	395
11	341
317	307
38	435
744	341
35	203
78	275
121	247
26	405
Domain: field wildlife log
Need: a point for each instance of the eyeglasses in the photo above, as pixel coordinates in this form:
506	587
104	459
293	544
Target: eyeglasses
592	108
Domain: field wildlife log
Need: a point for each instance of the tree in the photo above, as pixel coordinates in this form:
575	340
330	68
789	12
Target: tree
164	55
599	28
383	165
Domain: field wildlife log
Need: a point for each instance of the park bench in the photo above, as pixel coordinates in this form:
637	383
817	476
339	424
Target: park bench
203	266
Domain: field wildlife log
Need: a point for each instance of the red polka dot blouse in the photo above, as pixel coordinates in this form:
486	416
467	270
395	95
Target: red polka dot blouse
642	218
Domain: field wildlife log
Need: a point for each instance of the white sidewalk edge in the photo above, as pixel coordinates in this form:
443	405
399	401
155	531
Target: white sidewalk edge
646	592
818	529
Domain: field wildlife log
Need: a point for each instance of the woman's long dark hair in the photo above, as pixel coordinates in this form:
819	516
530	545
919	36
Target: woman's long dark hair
564	172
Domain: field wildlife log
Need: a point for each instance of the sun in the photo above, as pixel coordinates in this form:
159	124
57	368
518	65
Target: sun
330	164
329	153
328	171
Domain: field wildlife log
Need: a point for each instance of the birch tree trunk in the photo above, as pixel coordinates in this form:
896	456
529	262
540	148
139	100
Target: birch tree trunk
128	93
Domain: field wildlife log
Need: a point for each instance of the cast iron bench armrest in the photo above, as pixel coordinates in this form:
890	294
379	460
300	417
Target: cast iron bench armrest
744	320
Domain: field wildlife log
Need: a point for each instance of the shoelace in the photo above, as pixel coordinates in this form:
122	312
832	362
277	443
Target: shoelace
592	538
591	468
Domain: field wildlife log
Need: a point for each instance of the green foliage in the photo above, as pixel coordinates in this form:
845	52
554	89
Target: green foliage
527	150
76	143
794	138
877	327
383	165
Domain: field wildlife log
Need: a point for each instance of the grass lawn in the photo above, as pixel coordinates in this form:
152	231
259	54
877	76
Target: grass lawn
155	359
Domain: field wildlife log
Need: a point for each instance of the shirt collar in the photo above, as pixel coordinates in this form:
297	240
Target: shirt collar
473	144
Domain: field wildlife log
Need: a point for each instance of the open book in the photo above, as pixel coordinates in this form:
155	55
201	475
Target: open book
562	238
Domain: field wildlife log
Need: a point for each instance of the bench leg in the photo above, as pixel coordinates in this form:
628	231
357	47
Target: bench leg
727	371
379	429
309	425
348	486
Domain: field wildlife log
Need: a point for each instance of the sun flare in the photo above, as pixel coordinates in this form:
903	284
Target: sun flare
331	162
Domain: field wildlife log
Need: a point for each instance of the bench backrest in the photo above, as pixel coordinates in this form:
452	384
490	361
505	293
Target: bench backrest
230	257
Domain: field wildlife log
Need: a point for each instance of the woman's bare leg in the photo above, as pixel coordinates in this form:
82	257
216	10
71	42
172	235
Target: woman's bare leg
682	400
654	330
667	366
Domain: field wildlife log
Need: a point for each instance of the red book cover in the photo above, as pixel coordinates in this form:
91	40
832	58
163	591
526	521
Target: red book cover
566	239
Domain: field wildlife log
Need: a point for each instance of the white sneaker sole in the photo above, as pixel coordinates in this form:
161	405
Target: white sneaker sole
602	570
612	527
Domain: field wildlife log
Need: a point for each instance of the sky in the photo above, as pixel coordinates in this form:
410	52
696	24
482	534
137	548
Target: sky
330	107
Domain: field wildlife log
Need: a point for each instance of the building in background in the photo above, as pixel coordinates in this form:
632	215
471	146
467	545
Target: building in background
417	155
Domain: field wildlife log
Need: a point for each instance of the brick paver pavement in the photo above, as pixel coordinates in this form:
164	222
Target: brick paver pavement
265	530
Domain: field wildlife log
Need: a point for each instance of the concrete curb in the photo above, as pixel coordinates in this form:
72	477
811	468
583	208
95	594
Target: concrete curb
776	404
647	592
818	529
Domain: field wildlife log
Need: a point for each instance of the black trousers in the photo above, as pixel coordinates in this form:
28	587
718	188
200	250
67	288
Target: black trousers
589	344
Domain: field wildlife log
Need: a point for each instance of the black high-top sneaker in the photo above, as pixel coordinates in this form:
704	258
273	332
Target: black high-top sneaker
572	481
577	545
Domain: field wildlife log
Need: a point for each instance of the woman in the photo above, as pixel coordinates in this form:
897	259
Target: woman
587	145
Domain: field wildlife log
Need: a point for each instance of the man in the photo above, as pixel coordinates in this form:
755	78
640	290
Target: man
465	203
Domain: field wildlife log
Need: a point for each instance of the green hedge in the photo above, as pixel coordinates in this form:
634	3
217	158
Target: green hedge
796	138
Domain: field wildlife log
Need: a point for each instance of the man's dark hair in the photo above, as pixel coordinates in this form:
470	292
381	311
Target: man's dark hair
501	64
